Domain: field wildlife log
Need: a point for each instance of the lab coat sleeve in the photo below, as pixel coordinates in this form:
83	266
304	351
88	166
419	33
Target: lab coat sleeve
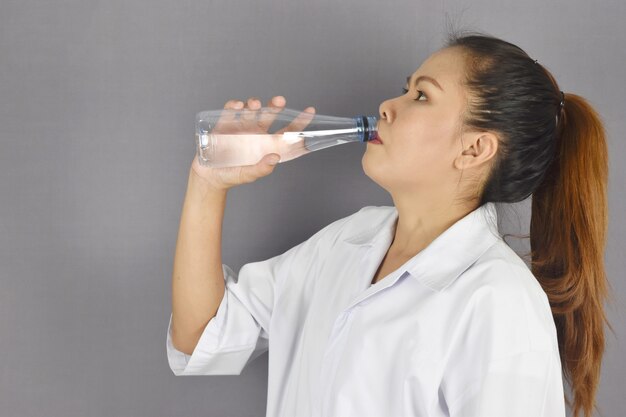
238	333
240	330
526	384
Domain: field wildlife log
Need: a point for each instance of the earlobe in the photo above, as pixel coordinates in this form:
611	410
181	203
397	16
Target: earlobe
461	161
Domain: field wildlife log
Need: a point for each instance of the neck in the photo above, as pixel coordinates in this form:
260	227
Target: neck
420	222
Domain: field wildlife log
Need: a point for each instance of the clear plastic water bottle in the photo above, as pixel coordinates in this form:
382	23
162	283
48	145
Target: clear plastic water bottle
237	137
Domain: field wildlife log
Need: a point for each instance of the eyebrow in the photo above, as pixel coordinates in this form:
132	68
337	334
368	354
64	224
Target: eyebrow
423	78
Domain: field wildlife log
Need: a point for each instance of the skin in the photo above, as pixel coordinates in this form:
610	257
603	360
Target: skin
425	162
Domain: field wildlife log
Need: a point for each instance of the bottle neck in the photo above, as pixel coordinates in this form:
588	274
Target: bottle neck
366	127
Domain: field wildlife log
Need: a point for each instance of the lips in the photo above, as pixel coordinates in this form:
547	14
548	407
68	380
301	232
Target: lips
376	136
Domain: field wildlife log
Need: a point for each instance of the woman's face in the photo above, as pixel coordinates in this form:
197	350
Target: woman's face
420	130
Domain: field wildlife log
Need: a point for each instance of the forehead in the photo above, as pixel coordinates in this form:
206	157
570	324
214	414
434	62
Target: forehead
446	66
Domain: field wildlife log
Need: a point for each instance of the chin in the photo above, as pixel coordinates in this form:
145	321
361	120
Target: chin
375	173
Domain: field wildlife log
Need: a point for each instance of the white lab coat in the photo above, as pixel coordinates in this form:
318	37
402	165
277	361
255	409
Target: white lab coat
462	329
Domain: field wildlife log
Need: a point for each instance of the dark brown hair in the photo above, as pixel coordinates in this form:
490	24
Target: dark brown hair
559	156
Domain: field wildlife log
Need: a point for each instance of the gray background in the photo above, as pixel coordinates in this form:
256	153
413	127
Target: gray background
97	108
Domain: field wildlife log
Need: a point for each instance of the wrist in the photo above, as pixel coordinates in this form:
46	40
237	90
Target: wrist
198	186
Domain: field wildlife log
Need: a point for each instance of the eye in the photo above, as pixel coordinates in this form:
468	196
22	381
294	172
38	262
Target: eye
419	94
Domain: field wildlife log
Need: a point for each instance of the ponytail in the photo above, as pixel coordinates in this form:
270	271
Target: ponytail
558	155
568	230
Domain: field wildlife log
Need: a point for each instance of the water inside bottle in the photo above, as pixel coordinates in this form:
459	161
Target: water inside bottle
223	150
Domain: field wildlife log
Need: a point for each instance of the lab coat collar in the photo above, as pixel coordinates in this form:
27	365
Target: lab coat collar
446	257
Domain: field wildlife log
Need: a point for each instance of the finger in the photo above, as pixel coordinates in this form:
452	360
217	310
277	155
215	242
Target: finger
270	112
228	117
233	104
250	110
254	103
300	122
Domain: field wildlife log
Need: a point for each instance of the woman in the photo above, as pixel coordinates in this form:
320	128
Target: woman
421	308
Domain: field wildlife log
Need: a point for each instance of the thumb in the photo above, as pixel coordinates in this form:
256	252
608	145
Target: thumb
271	159
262	168
265	166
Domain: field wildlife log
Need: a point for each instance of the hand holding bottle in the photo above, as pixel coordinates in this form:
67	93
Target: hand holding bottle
226	177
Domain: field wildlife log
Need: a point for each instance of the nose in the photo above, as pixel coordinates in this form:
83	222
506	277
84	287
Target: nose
385	111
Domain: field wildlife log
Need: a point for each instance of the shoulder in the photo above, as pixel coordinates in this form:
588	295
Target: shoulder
502	270
503	290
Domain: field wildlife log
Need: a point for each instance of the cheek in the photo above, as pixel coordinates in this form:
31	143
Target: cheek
427	143
427	152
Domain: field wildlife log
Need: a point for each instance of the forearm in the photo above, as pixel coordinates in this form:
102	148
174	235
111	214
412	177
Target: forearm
197	278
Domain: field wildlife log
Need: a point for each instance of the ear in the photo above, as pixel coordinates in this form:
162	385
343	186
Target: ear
478	148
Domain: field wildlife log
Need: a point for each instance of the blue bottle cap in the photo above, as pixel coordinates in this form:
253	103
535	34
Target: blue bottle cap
366	127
